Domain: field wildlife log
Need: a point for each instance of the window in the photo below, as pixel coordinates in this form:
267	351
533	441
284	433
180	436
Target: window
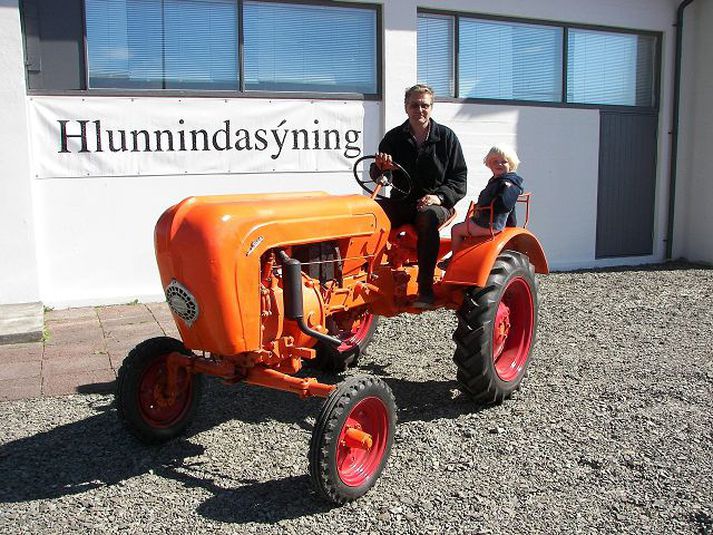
435	36
525	61
309	48
193	44
610	68
502	60
154	44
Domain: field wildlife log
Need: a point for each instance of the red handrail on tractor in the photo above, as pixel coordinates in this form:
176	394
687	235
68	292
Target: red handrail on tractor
473	208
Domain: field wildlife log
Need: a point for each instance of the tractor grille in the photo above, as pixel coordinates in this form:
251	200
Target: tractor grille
181	302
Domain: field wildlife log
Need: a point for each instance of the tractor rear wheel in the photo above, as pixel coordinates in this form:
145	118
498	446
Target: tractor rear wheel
496	330
355	329
150	409
352	439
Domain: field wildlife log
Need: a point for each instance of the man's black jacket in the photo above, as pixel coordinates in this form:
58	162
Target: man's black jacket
437	168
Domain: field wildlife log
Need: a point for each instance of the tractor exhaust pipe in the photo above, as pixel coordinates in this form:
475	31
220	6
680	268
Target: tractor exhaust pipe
292	294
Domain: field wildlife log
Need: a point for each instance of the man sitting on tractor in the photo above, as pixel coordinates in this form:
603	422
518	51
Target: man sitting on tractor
431	154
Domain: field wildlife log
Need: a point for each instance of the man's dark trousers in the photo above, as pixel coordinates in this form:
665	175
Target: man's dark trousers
426	223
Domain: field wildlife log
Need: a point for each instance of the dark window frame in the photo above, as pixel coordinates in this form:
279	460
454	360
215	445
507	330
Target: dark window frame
32	59
565	26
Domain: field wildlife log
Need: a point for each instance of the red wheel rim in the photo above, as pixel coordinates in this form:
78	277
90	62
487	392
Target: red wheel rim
352	331
159	407
512	332
356	466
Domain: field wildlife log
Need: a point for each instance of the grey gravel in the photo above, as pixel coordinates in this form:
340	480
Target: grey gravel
611	433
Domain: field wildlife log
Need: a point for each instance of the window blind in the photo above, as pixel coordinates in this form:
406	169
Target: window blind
435	53
297	47
503	60
610	68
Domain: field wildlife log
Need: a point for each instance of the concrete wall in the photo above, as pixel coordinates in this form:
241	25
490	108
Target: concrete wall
559	147
94	235
694	194
564	209
18	262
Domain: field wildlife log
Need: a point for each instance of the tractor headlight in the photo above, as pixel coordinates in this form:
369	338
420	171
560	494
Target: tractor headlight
181	302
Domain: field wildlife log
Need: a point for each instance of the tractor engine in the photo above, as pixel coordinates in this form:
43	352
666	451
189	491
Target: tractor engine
275	323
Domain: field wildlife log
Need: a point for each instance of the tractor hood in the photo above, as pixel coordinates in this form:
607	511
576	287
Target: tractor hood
209	248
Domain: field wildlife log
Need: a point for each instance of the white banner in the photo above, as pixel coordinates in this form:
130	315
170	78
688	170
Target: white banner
117	136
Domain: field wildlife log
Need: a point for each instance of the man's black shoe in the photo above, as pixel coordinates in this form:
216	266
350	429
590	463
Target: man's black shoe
443	264
425	300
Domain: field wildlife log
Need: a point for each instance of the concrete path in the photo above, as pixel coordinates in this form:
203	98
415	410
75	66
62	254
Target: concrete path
81	351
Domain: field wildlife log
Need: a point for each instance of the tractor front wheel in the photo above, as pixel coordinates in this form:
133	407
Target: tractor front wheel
152	409
496	330
352	439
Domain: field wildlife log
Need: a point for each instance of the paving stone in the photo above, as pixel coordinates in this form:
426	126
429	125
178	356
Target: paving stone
76	365
116	359
72	350
20	370
23	388
86	382
171	330
84	330
70	315
160	311
124	314
132	334
28	352
84	348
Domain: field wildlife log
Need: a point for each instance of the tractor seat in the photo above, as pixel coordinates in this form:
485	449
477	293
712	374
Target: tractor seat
405	235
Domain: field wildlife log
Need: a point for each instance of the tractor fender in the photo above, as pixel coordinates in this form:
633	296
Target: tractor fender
472	264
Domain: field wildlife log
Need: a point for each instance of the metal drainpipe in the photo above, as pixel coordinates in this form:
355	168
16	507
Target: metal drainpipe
674	128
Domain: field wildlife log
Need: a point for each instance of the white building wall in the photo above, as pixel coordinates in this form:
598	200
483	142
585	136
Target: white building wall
559	147
18	263
694	192
563	205
94	234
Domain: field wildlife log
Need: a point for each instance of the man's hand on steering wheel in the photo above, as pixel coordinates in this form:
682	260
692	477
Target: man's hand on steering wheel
384	162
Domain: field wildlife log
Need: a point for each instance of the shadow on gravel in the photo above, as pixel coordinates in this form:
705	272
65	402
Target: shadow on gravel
97	451
423	401
254	501
97	388
78	457
264	502
429	400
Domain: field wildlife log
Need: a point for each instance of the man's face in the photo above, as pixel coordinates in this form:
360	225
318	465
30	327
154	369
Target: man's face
418	108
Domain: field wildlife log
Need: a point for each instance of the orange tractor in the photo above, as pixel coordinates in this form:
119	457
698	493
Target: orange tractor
260	284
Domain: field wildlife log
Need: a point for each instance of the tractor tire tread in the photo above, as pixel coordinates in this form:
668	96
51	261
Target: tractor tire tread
472	357
130	373
327	424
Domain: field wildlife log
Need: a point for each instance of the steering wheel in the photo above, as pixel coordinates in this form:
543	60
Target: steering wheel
373	186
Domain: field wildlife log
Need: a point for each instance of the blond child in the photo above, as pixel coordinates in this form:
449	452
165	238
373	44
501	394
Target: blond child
502	190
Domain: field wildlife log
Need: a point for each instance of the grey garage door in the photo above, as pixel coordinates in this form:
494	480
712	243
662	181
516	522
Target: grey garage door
627	179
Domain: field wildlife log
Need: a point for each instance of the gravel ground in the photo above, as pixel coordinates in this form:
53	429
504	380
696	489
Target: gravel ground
611	433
